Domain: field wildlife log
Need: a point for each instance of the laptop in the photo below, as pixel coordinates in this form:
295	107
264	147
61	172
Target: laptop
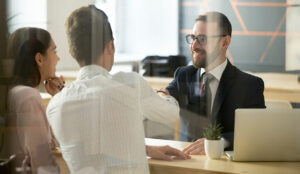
266	135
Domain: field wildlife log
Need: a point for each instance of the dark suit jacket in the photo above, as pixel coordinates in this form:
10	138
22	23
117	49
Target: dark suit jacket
236	90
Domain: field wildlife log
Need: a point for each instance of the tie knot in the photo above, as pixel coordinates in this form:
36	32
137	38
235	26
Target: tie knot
206	77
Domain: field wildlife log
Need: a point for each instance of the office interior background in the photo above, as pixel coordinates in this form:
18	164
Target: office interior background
266	33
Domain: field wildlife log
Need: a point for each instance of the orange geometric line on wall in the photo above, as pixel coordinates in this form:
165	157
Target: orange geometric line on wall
186	31
263	4
238	15
252	33
263	56
265	33
258	33
236	3
245	32
188	3
205	4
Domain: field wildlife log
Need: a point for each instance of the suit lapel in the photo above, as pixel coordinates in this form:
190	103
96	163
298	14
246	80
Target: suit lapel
225	84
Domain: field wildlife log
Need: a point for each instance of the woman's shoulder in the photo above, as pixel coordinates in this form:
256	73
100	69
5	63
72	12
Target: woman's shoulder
24	89
21	92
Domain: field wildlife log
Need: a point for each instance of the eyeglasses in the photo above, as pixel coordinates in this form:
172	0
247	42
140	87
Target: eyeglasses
202	39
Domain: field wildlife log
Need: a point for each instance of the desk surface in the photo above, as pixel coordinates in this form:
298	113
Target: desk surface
281	86
201	164
279	81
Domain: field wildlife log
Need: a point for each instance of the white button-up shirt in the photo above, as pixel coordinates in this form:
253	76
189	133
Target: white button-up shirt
98	120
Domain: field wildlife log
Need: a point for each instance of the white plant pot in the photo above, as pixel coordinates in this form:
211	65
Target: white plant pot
214	148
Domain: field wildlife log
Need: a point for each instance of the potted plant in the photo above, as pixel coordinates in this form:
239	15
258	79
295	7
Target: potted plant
213	142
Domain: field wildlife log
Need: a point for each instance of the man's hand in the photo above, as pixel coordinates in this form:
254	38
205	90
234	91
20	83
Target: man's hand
163	92
54	85
196	148
165	153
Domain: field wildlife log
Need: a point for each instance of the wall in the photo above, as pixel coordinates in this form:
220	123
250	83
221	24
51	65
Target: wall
140	27
57	13
26	13
259	30
292	42
148	26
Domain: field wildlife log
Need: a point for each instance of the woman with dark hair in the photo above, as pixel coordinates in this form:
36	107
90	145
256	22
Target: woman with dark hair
30	139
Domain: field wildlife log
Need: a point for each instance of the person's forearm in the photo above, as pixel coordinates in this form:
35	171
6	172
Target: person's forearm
163	110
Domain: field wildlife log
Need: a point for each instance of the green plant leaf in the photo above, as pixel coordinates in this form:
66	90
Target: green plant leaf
213	131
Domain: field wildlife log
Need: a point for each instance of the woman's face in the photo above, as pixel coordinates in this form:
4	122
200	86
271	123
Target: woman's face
50	60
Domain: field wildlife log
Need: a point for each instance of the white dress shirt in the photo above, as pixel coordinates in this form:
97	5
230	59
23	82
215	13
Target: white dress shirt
214	84
98	120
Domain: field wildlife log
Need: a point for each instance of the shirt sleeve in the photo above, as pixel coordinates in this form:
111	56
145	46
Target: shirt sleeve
160	109
34	129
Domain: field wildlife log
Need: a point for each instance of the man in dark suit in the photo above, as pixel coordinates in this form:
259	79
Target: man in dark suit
212	95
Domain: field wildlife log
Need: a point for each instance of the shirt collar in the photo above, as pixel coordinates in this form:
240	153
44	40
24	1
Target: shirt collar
217	71
90	71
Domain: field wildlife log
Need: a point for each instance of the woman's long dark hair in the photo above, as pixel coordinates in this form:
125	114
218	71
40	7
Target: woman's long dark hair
23	45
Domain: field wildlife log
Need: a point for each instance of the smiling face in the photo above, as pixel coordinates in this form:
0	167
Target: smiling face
49	61
204	54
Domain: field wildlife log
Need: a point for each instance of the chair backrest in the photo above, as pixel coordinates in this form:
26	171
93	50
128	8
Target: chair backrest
279	104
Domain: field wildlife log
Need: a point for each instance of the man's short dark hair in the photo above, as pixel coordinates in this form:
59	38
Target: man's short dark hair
88	32
222	21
